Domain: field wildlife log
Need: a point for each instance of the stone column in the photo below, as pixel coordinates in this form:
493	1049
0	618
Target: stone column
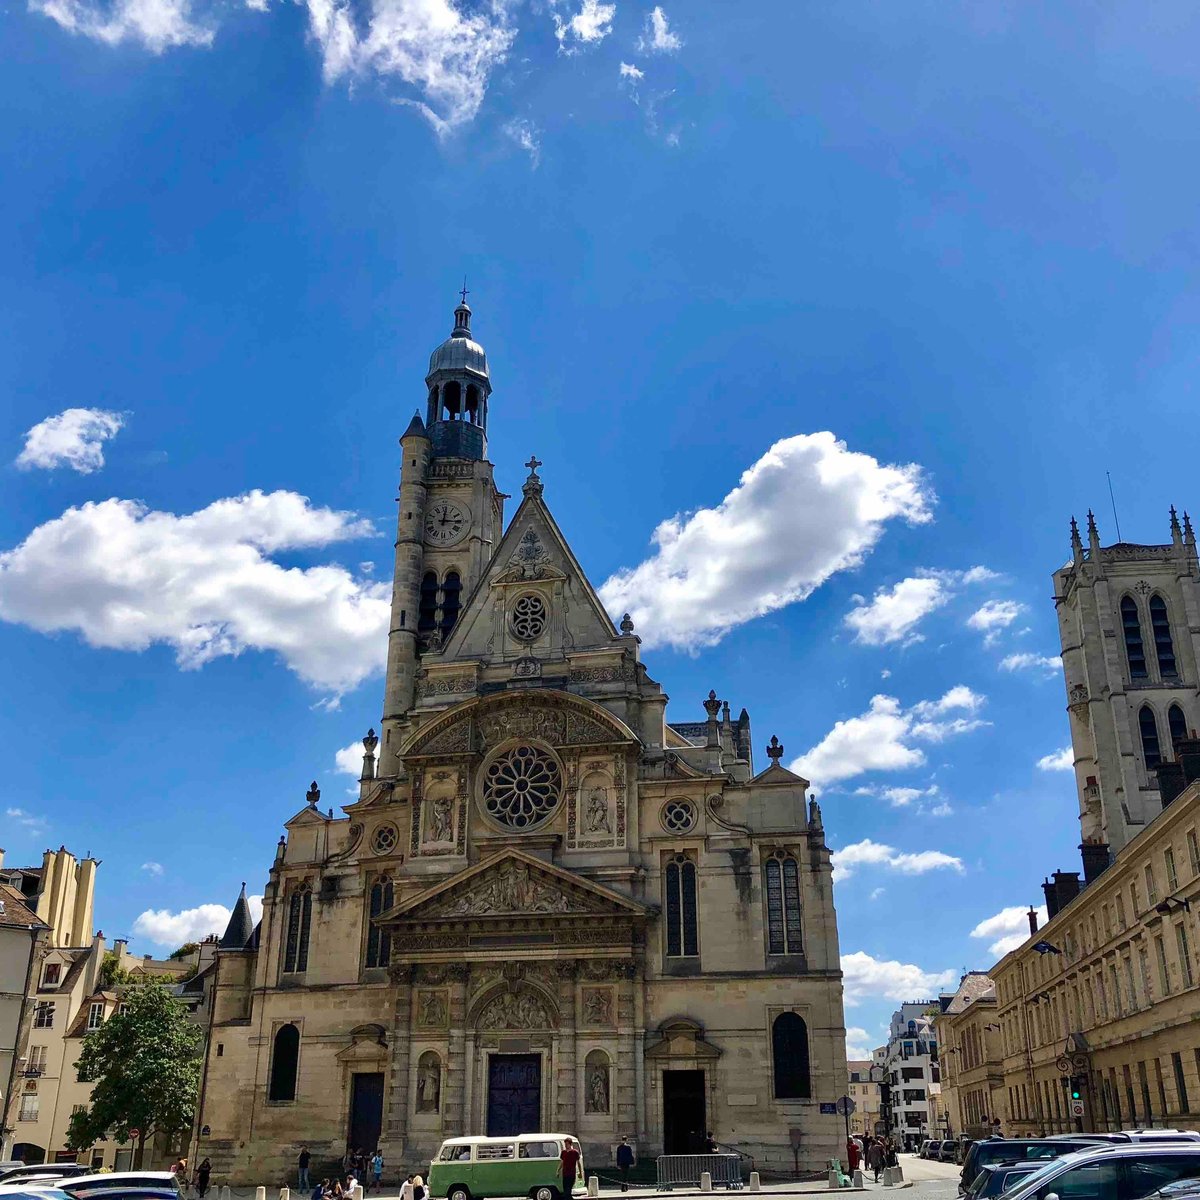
564	1055
639	1049
396	1118
454	1116
624	1090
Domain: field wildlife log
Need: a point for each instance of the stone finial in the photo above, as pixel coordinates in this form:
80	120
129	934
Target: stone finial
533	484
1076	540
1176	532
774	749
313	794
1189	537
814	814
626	624
370	744
1093	532
712	705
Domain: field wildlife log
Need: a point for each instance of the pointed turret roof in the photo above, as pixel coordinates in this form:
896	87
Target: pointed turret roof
241	925
416	427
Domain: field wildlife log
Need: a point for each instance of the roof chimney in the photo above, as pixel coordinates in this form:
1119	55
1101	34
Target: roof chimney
1095	860
1033	922
1050	891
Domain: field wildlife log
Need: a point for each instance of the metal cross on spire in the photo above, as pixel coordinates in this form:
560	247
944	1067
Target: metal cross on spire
463	291
533	464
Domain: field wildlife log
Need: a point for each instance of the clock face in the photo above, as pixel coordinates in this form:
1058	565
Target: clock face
446	522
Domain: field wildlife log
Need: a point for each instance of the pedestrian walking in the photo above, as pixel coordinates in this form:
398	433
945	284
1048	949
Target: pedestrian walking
418	1190
304	1183
624	1162
568	1165
876	1158
377	1170
203	1174
852	1155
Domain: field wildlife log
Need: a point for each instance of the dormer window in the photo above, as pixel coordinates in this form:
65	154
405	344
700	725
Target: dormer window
95	1017
51	974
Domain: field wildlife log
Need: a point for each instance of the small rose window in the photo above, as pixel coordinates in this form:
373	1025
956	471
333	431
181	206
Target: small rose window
383	840
521	787
529	617
678	816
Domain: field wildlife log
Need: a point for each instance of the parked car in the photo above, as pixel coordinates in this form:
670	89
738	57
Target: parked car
27	1191
998	1150
1181	1189
998	1177
963	1149
136	1185
1112	1172
36	1172
947	1150
923	1149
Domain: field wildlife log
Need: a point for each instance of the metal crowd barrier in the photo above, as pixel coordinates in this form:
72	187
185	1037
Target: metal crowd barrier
676	1169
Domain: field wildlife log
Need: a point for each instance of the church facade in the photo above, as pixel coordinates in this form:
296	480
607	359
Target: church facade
551	906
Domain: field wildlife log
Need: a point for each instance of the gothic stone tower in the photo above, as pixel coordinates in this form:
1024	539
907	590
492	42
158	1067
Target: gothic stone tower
1129	623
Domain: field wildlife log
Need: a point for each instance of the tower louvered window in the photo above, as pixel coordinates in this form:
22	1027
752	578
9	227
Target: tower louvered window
379	943
682	925
1135	651
1148	726
1176	725
295	955
451	600
783	906
1160	627
427	612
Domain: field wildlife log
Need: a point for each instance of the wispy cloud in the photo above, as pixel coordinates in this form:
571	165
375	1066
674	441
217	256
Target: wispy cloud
867	978
658	37
152	868
922	802
526	135
992	618
876	854
157	25
1041	664
1060	760
858	1044
26	820
74	438
587	27
893	614
1009	928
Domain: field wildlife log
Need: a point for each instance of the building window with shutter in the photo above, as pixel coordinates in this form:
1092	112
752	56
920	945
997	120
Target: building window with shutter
683	940
783	905
295	956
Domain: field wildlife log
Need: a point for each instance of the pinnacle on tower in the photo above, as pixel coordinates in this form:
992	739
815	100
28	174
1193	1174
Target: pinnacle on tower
1176	532
1076	541
1093	533
241	925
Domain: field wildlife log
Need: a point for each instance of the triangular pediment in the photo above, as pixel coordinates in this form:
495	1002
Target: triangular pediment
776	775
308	815
509	885
532	556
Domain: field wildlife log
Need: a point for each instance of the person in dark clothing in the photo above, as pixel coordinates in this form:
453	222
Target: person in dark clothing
876	1158
624	1162
568	1165
203	1173
321	1190
302	1165
710	1143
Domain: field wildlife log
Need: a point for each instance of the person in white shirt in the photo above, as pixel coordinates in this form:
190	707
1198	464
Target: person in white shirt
406	1189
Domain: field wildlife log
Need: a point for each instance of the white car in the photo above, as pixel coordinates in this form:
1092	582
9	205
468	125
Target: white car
141	1185
1111	1171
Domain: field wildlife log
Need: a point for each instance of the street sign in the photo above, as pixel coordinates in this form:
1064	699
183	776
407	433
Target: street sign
134	1134
828	1110
845	1106
1077	1108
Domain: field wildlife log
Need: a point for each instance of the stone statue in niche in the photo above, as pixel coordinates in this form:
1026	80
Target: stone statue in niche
429	1084
441	819
433	1009
596	817
597	1088
597	1006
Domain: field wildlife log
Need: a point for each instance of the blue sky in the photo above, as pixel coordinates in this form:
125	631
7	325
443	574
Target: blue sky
960	240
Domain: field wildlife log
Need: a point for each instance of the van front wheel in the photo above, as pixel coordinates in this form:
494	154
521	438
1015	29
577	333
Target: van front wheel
544	1193
458	1192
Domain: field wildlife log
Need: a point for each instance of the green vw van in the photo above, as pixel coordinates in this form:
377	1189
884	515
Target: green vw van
475	1168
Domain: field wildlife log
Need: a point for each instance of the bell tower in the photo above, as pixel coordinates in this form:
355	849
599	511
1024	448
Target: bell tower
449	521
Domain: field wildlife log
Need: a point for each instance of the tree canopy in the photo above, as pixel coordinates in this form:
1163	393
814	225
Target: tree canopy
144	1065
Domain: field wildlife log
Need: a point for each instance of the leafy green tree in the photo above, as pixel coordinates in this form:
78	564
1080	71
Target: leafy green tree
112	974
184	950
144	1065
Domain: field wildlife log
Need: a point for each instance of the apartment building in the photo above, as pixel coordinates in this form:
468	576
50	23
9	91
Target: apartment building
914	1074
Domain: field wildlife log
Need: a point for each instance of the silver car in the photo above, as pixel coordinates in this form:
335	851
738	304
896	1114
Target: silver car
1111	1172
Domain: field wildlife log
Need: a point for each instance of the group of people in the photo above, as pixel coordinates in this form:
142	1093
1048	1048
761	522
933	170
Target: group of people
358	1167
875	1152
198	1183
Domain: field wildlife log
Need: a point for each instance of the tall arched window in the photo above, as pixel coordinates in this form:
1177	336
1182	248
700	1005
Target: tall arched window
295	955
451	600
285	1058
783	906
1160	627
379	943
1176	725
427	611
473	404
789	1054
682	933
1149	730
1135	651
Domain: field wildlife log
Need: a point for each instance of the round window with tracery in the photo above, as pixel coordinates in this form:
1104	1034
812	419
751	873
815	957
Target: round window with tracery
521	787
678	816
383	840
529	617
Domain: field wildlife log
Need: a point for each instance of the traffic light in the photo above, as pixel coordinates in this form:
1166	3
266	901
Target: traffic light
1076	1088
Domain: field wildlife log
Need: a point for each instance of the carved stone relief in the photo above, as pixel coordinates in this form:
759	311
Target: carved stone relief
432	1009
598	1007
510	888
514	1010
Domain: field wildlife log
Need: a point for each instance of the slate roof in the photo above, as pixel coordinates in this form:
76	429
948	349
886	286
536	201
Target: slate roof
976	985
16	913
241	925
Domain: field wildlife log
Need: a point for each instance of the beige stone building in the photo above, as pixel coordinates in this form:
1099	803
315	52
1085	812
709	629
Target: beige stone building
552	906
972	1097
863	1089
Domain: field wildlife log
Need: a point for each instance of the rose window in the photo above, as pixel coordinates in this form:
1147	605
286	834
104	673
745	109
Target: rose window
383	840
521	787
529	617
678	816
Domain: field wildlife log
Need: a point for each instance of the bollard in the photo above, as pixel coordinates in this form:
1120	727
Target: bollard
899	1176
260	1193
593	1185
857	1179
356	1192
225	1193
887	1177
755	1182
706	1181
834	1181
285	1193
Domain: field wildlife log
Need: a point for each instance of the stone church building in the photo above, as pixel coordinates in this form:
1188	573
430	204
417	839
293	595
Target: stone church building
551	907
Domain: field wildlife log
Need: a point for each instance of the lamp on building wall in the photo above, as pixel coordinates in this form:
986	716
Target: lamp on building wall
1045	947
1173	904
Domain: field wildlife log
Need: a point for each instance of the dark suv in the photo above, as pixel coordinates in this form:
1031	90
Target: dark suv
1002	1150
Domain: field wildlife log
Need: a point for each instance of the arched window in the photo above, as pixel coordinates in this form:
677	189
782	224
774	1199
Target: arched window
1135	652
682	934
1177	726
451	600
295	956
452	399
473	404
1160	627
783	906
379	943
789	1053
1149	730
285	1057
427	611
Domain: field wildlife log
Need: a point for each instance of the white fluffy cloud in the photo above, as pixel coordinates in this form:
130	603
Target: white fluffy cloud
804	511
349	760
658	37
156	24
526	135
591	24
876	854
893	613
153	868
126	577
73	438
1008	928
1043	664
868	978
165	928
629	71
881	739
858	1044
1060	760
992	618
924	802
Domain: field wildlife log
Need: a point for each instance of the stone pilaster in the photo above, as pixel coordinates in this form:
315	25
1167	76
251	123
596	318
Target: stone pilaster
454	1103
624	1091
565	1054
396	1116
